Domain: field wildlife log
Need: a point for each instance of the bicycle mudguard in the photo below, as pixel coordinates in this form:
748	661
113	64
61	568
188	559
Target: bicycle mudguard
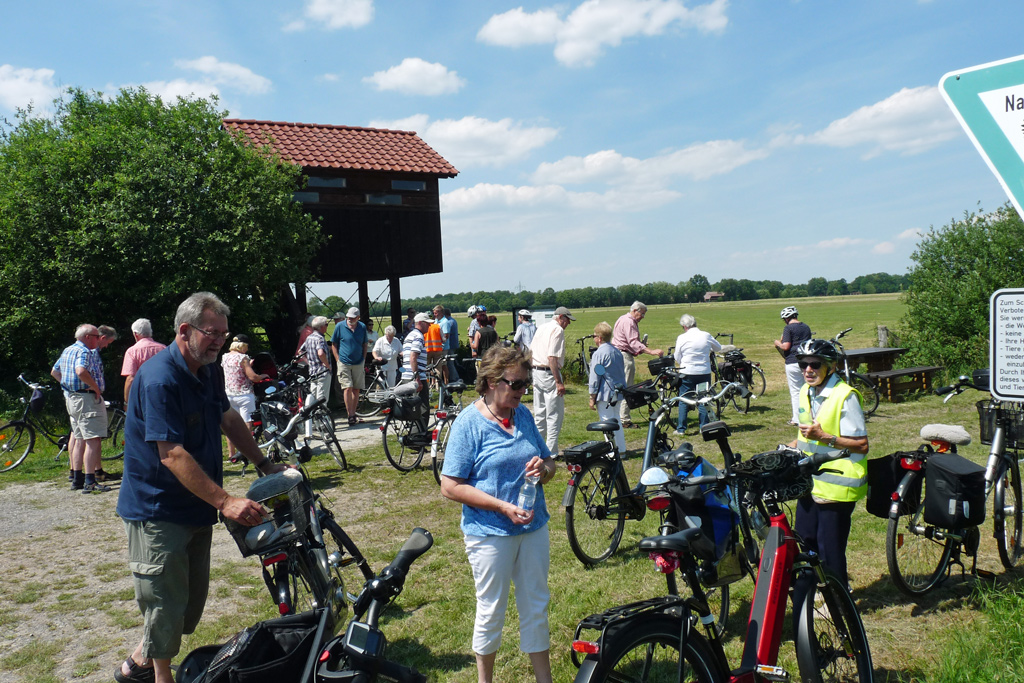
671	607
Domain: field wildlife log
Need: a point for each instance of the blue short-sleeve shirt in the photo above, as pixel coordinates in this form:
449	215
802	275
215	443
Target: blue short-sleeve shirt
494	461
351	345
168	403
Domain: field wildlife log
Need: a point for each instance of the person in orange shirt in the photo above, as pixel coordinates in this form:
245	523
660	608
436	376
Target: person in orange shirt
433	343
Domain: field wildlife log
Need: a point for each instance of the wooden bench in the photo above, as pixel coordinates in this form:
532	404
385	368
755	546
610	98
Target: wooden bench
891	383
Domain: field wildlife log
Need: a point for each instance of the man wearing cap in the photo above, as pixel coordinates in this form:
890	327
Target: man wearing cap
525	331
414	356
626	338
548	351
348	344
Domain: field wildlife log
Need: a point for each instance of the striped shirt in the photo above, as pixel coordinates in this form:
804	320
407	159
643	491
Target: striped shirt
414	344
314	342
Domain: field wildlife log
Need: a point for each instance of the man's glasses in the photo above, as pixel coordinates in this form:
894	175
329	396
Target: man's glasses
812	364
516	385
214	335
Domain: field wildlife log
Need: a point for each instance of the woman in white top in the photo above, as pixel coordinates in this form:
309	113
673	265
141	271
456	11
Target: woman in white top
693	355
388	348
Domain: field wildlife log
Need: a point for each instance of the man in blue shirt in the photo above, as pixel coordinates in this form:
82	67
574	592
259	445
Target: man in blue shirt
349	345
173	482
79	371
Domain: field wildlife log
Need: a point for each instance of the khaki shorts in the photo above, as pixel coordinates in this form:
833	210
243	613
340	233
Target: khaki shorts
88	416
351	376
170	566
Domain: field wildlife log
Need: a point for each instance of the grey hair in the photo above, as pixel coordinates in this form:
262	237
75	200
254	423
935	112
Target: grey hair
687	321
191	310
318	321
83	330
391	329
143	327
108	332
603	331
638	306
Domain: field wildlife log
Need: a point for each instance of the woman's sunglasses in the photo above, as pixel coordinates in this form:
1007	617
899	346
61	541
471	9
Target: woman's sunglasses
516	385
812	364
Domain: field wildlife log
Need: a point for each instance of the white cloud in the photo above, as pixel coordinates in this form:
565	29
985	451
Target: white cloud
19	87
890	246
473	141
883	248
227	74
170	91
415	76
334	14
911	121
485	197
911	234
581	37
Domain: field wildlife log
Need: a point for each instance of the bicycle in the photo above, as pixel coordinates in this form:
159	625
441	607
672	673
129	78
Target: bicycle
658	639
303	550
359	655
736	367
408	427
579	366
18	437
371	399
277	406
442	429
115	431
920	548
864	386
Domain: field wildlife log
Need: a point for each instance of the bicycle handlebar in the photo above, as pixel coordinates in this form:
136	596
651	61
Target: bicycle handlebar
32	385
298	417
388	584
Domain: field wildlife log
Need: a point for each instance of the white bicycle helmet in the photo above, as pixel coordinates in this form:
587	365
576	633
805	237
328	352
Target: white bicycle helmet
788	312
471	311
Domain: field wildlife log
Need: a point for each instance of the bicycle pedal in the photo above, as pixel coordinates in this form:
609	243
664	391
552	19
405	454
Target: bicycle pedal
772	673
985	574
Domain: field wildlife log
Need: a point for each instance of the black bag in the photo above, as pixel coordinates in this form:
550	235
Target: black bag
640	395
272	651
955	493
407	407
884	475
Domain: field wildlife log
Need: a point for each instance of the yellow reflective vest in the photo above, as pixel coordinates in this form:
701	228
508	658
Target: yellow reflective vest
844	480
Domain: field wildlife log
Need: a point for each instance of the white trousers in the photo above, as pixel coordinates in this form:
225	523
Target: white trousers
497	563
609	412
629	365
795	378
548	408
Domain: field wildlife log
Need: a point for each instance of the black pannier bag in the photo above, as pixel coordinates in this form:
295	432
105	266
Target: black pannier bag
407	407
954	492
884	475
272	651
640	395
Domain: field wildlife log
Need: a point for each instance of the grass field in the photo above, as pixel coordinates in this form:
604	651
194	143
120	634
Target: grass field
961	632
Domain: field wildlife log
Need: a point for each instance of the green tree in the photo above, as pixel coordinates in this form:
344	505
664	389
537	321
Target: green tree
698	286
118	208
957	268
817	286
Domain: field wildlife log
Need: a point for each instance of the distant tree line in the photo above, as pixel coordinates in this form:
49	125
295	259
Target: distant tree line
689	291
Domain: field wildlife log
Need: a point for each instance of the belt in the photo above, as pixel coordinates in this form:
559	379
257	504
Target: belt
542	368
76	391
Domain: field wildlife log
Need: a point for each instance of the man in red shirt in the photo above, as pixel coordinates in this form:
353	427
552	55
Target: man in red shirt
626	338
138	353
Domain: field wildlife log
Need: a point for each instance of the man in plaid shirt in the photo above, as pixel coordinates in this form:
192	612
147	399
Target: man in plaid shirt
79	371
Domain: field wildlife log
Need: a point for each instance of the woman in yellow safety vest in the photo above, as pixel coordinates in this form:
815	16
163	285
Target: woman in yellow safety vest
831	418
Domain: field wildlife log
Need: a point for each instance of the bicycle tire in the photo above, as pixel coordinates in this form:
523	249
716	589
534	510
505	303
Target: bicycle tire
646	650
750	532
917	561
831	644
294	587
595	530
757	384
437	449
15	436
1006	501
351	559
323	424
366	407
403	458
868	393
113	448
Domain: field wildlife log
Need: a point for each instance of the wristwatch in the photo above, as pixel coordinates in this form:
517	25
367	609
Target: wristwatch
832	441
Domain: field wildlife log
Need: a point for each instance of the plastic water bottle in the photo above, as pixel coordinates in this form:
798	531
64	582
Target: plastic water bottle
528	493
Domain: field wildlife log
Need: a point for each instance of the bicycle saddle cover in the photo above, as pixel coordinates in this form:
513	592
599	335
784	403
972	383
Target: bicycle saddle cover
951	433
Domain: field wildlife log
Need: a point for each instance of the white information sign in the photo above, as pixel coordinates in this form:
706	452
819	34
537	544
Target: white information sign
1006	333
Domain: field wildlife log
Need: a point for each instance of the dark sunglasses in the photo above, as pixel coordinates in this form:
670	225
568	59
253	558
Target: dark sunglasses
812	364
517	385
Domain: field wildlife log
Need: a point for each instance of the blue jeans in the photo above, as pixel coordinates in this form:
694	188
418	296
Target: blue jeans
690	383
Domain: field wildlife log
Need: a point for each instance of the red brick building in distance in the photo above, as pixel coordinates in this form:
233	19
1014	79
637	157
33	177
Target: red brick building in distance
376	195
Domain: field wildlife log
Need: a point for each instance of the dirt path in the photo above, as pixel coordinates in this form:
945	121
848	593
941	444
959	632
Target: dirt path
69	609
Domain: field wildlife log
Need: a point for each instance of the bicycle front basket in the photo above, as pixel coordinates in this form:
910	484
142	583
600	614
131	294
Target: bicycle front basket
287	503
774	472
37	402
1013	416
640	395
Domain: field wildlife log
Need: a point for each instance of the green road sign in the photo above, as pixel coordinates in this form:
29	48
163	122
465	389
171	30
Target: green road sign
988	100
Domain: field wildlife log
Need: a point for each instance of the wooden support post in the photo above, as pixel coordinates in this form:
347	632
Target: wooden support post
396	303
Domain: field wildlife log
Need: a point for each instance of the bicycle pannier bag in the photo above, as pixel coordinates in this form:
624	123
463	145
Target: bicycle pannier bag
406	407
640	395
954	492
713	509
884	476
272	651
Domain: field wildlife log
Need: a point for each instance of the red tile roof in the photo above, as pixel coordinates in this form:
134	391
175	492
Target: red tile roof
321	146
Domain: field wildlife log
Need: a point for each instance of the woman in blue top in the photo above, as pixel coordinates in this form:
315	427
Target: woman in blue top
493	447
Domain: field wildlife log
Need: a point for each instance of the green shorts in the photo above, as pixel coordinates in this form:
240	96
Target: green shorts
170	566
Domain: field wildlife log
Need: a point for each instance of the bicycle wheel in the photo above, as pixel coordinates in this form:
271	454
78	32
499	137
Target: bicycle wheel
293	584
868	393
595	530
396	434
830	641
345	562
113	445
574	370
917	554
367	407
323	425
646	650
437	449
16	441
1006	501
756	383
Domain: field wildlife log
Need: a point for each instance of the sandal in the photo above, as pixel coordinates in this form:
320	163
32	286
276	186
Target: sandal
137	674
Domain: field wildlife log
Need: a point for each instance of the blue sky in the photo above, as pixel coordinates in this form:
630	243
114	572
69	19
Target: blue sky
599	142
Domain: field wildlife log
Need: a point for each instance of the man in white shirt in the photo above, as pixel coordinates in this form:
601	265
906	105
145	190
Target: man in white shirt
548	350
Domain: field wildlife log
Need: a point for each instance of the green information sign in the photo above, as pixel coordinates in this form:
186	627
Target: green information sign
988	100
